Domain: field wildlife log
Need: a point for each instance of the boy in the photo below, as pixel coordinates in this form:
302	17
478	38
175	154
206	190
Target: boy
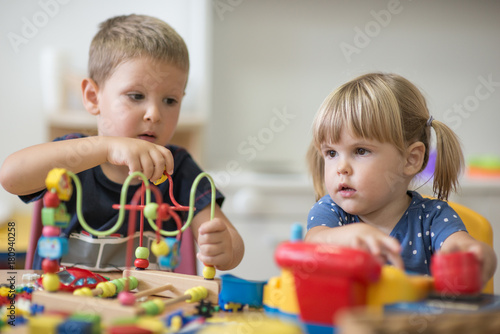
138	70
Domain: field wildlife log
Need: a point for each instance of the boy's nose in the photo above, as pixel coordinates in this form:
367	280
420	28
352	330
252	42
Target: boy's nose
152	114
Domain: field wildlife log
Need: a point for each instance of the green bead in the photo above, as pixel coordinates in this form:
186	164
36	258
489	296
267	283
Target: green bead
119	284
142	253
151	308
150	210
133	282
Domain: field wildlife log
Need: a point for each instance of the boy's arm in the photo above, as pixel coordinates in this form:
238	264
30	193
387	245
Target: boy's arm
462	241
361	236
219	242
24	171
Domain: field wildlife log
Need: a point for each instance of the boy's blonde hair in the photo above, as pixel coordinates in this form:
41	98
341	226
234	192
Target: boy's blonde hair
390	109
122	38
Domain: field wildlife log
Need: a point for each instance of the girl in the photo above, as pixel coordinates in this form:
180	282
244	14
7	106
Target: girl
370	138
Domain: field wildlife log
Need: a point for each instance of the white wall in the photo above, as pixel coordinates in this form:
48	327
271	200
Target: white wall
286	55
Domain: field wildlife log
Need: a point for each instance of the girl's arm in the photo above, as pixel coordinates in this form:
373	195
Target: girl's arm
359	235
219	242
24	171
462	241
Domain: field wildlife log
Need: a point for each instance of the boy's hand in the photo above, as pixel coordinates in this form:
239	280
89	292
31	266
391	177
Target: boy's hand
214	242
140	156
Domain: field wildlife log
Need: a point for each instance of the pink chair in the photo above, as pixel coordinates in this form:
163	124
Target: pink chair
188	250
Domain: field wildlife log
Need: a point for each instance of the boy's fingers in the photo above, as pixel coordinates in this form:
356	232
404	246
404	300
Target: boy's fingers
169	160
158	163
212	226
147	167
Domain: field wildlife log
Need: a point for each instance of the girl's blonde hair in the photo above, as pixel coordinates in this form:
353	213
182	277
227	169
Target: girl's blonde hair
386	108
122	38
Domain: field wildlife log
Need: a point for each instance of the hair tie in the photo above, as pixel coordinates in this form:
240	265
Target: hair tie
429	121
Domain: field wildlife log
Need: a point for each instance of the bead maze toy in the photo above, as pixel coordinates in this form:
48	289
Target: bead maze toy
52	246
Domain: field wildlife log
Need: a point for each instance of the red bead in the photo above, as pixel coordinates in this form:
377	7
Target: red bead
163	211
50	200
50	266
51	231
141	263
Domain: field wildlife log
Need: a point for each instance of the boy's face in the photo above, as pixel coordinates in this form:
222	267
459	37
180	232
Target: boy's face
141	99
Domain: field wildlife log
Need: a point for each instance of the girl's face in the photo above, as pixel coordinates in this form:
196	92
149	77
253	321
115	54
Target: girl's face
363	176
142	99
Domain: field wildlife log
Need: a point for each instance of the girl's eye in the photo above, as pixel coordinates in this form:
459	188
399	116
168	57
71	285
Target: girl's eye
361	151
330	154
170	101
136	96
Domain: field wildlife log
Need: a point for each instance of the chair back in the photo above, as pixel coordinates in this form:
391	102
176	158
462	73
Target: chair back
478	227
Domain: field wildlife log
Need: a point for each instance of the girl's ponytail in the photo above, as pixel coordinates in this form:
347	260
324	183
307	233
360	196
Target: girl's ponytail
449	160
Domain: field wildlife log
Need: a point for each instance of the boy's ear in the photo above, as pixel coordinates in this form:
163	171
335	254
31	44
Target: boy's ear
414	158
90	96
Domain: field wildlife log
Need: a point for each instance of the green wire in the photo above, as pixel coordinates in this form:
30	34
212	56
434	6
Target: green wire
123	200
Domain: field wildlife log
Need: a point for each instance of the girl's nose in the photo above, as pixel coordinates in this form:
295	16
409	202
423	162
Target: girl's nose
343	168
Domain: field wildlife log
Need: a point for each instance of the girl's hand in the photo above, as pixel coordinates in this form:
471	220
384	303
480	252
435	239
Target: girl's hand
140	156
383	247
462	242
361	236
214	242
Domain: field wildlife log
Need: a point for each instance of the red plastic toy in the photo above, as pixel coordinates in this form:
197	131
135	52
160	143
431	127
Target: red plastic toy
456	273
75	278
327	278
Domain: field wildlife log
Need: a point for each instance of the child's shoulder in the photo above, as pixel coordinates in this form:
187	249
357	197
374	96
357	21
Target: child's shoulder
426	204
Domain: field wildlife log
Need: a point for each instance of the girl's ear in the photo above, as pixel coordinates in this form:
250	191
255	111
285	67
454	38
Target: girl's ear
414	158
90	96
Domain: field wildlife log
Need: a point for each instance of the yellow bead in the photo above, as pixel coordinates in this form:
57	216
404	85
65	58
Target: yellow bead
197	293
208	272
108	289
50	282
83	292
175	323
160	248
162	179
151	323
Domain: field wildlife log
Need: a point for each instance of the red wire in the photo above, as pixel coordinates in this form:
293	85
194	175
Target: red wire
141	226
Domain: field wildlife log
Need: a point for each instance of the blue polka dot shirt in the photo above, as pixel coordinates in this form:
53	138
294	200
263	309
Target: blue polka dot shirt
422	229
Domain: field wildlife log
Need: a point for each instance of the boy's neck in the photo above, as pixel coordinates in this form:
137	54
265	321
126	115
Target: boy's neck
117	174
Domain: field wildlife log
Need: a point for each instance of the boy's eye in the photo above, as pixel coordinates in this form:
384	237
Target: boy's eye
136	96
170	101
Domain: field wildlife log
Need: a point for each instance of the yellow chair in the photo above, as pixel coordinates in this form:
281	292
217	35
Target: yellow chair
479	228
